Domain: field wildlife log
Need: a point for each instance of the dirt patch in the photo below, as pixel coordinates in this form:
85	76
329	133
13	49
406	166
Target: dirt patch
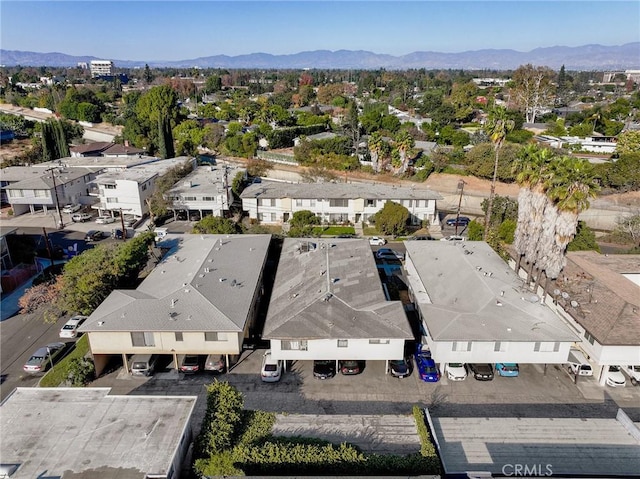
14	148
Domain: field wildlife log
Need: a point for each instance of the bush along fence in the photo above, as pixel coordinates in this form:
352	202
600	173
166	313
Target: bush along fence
235	442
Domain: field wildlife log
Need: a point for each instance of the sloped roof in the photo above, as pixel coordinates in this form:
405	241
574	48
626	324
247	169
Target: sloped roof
204	283
39	179
272	189
118	149
466	292
96	147
331	291
608	302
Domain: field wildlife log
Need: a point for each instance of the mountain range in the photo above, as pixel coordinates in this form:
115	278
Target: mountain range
586	57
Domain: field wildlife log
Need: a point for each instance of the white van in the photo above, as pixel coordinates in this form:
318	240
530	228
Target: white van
161	233
579	364
143	364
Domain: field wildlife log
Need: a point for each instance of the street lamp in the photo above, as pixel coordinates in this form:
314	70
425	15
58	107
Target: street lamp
50	358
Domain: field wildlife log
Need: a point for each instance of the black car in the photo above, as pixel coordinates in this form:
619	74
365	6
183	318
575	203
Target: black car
399	368
482	372
324	369
350	367
460	221
94	235
190	364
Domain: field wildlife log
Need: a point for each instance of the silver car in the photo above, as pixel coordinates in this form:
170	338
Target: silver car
43	358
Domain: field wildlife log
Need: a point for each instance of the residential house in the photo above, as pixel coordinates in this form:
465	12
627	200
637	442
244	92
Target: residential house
325	135
475	309
599	295
127	191
328	303
205	191
87	432
202	298
105	148
274	203
29	189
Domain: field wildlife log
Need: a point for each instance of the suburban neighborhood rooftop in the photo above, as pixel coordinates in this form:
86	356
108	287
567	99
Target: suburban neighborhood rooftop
331	289
141	173
483	300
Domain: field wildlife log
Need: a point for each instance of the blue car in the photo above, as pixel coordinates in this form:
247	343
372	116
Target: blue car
507	369
426	365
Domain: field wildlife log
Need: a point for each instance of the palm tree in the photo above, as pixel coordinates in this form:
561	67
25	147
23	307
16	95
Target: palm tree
375	147
497	127
404	142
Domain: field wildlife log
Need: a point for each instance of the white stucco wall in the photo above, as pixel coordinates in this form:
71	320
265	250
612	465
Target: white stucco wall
359	349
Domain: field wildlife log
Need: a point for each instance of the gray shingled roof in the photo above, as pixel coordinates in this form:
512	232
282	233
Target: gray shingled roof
205	283
205	179
473	295
332	291
271	189
30	178
608	302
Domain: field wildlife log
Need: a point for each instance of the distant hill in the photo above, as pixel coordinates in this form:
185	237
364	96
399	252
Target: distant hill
586	57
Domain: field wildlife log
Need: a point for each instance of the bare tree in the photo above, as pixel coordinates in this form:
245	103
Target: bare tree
533	89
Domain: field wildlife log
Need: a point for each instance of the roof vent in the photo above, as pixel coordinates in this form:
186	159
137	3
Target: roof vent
574	304
233	282
222	280
206	270
100	323
173	303
327	297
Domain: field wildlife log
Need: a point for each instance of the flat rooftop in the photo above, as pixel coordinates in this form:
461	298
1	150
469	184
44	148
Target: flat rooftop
141	173
56	431
570	447
206	179
106	162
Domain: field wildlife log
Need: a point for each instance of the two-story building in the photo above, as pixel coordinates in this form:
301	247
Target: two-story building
205	191
127	191
275	203
328	303
30	190
202	298
475	309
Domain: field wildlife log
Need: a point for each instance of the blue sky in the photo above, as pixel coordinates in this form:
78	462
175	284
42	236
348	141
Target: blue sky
178	30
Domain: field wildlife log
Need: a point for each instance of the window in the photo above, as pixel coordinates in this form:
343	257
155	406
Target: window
210	336
189	198
209	198
546	347
179	336
41	193
312	203
260	202
378	341
260	217
272	202
339	203
273	217
144	187
371	203
294	345
461	346
588	337
299	202
109	187
139	339
343	343
499	347
112	200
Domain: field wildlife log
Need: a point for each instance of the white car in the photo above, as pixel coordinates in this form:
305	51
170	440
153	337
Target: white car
615	378
71	208
70	329
634	374
104	220
456	371
80	217
377	241
452	238
271	371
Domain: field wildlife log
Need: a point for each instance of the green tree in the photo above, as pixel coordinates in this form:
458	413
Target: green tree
584	240
215	225
403	143
532	89
148	76
304	218
628	142
392	219
497	127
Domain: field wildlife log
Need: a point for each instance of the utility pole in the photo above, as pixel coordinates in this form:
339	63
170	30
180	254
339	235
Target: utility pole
461	184
124	232
48	245
55	191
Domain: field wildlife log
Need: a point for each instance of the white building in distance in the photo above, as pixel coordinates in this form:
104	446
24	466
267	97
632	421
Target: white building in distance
101	68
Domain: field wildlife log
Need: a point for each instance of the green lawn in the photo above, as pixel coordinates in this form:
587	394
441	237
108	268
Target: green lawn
60	372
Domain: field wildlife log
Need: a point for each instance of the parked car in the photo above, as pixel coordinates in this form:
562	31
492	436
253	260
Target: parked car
80	217
634	374
460	221
43	357
143	364
117	233
324	369
94	235
456	371
426	365
377	241
129	221
70	329
388	253
482	372
579	364
71	208
399	368
271	370
615	378
420	238
105	220
452	238
215	363
350	367
510	370
190	364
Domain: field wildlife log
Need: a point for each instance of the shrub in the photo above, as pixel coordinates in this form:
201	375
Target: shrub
507	230
426	446
60	371
81	371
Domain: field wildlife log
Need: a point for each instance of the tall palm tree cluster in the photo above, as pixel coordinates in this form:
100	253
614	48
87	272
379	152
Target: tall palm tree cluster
554	190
